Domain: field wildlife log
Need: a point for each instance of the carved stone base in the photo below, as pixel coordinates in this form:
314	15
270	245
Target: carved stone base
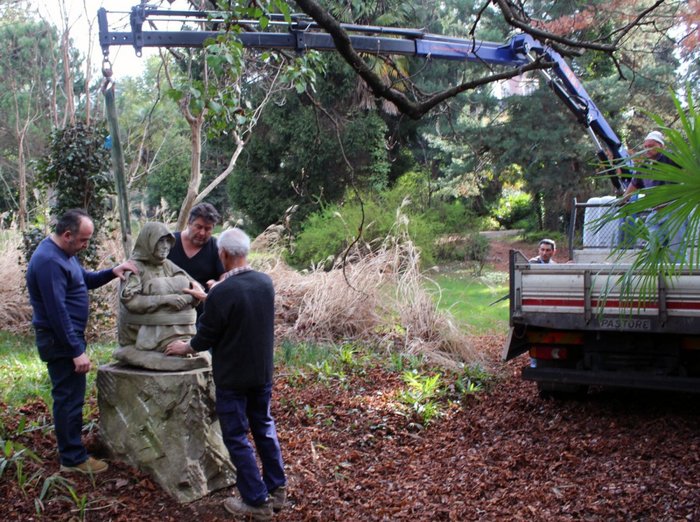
164	424
154	360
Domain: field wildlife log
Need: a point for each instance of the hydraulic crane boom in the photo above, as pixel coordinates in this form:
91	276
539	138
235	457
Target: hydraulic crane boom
302	34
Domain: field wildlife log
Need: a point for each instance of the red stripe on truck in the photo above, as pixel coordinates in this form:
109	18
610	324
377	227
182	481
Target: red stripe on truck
611	303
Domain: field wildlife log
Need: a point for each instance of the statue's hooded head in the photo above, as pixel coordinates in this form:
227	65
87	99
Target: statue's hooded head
153	244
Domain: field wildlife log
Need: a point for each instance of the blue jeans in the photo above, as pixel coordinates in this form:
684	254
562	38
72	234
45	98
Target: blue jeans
68	392
239	411
676	243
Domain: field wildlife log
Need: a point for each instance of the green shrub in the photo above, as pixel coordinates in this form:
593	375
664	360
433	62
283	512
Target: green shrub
326	234
513	206
473	248
421	395
452	217
77	168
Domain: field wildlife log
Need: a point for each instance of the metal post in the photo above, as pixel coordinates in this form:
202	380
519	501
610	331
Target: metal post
117	161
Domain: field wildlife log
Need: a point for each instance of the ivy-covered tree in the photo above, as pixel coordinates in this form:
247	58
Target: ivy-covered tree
76	174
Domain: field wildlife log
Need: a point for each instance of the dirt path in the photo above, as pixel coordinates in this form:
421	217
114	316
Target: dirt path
501	245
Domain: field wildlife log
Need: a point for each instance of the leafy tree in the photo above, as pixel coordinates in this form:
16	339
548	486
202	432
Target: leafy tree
690	43
301	155
533	134
611	21
76	173
226	87
155	140
27	94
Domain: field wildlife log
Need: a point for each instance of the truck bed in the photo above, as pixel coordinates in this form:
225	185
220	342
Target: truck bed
580	328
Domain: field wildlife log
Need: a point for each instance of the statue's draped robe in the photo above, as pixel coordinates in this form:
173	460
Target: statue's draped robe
148	318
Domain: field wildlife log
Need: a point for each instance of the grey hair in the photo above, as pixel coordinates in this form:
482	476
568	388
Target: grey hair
206	211
235	242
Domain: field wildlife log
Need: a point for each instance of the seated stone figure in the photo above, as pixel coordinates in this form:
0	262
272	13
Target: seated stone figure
154	311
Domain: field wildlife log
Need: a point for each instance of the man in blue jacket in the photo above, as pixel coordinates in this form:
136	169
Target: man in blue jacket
58	292
238	325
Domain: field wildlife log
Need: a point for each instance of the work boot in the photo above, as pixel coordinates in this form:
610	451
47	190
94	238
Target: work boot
91	466
236	506
278	498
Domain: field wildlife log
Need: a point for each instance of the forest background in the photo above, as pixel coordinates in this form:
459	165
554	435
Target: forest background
301	142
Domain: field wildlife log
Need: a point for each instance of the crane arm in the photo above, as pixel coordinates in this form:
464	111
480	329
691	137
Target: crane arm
302	34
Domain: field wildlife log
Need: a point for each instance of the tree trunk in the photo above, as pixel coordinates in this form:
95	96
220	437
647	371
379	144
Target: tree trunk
22	173
240	143
69	115
196	124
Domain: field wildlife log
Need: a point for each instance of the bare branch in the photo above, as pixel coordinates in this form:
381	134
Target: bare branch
414	109
525	26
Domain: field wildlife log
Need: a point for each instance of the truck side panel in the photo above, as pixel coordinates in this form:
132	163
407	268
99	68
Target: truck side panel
578	327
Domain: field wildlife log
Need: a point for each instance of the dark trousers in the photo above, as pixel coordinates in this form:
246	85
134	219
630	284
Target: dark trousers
68	392
239	411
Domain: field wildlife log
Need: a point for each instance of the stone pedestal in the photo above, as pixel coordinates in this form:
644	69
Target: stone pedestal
164	424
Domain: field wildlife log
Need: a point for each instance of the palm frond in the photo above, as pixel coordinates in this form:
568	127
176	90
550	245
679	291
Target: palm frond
674	206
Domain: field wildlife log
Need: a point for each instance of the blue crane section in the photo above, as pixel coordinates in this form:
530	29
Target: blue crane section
302	34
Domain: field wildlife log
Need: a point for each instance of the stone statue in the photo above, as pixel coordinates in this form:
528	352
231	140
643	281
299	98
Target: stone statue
154	311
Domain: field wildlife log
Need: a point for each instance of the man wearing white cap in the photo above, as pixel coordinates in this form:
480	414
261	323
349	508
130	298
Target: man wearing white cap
653	144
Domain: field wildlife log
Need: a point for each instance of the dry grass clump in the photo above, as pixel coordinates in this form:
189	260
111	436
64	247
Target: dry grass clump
15	311
104	301
379	298
428	330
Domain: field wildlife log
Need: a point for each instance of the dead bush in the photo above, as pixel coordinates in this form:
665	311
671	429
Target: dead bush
15	311
378	298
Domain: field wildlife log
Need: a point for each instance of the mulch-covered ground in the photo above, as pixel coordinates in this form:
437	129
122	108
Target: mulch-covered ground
502	455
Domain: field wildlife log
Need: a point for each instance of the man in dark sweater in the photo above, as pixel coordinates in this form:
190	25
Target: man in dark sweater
58	292
195	249
673	240
238	326
653	145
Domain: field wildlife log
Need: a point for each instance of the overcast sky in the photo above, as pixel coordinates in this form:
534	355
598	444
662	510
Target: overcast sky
82	13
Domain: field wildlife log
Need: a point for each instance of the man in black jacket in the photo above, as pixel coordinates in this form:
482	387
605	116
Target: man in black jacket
195	249
238	325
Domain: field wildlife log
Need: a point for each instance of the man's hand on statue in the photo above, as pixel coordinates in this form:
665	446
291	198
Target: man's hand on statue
180	302
82	363
198	293
178	348
127	266
212	283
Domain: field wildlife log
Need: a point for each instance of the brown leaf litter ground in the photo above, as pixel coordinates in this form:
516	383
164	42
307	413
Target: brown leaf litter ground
505	454
351	454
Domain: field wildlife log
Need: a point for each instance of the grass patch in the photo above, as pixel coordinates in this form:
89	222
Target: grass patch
23	376
471	300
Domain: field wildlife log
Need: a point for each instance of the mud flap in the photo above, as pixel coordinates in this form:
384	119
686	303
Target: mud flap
515	345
